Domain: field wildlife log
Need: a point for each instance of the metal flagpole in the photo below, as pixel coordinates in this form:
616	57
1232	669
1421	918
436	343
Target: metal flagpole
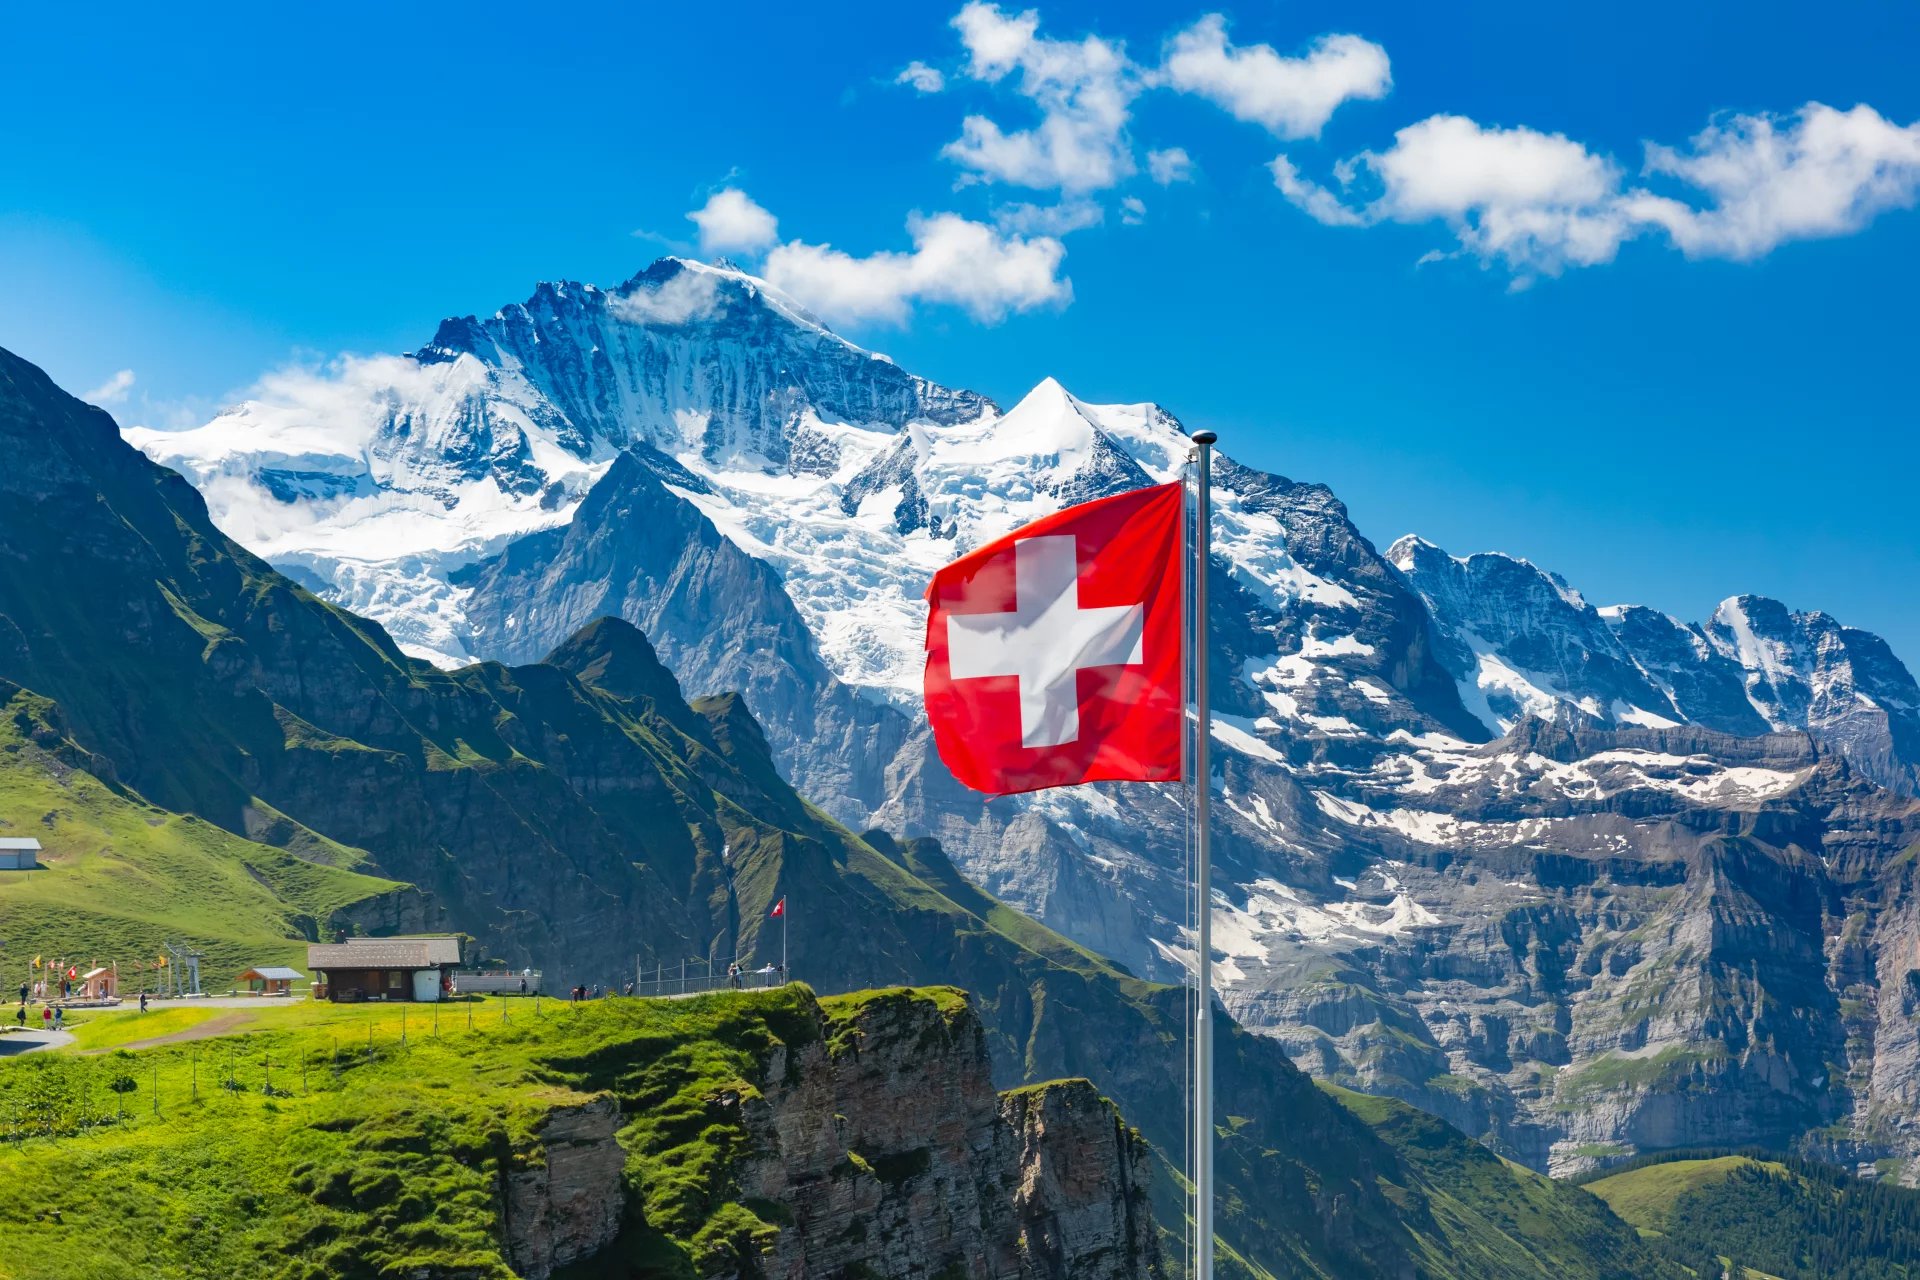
1203	882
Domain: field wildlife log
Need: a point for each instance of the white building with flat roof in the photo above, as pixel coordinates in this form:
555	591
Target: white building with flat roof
19	854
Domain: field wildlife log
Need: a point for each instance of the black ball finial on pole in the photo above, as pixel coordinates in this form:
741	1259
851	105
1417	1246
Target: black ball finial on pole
1204	437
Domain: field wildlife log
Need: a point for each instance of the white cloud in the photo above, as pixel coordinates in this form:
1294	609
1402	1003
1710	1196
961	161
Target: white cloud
1051	219
1084	90
1538	203
1290	97
731	222
986	272
1828	173
1133	211
1319	203
683	297
112	391
921	77
1448	164
1170	166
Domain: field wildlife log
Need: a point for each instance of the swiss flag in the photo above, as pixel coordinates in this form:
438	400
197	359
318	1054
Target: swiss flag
779	909
1054	653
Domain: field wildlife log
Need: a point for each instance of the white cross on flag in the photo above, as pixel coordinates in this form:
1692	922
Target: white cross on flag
1054	653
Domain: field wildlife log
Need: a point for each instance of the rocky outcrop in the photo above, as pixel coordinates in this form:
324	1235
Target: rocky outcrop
888	1148
1075	1218
564	1202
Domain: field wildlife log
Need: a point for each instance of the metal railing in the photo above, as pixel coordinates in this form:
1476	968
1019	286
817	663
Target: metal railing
672	982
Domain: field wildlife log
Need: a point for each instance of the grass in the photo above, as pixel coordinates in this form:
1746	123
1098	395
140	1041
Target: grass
118	877
1645	1196
1477	1215
1614	1071
375	1154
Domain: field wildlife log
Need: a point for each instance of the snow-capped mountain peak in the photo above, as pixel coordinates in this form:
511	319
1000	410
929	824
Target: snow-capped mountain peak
372	476
379	479
1521	642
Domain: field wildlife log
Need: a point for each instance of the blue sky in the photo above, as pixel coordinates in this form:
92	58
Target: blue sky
1503	332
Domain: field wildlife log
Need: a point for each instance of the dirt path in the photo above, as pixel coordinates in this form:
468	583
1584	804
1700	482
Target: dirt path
211	1027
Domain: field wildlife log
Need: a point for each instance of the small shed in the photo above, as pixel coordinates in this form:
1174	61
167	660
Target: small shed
273	980
98	984
19	853
408	968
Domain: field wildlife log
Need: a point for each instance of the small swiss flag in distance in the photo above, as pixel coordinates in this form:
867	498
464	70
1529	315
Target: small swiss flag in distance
779	909
1054	654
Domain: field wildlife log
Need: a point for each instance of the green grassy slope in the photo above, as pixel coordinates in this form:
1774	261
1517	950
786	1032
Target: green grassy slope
1645	1197
119	876
1780	1217
1486	1216
386	1161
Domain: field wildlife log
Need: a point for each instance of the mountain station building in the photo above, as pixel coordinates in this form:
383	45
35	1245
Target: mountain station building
410	968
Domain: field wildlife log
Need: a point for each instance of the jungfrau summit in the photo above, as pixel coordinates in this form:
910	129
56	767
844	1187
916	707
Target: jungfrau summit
1546	869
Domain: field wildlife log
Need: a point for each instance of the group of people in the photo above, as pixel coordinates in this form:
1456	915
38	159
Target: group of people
52	1018
736	976
736	979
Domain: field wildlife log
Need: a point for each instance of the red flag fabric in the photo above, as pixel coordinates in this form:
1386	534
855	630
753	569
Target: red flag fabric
1054	653
779	909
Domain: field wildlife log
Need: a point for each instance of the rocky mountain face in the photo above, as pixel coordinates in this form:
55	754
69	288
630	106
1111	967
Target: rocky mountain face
896	1157
1519	641
880	1146
1470	825
635	550
580	814
565	1205
370	479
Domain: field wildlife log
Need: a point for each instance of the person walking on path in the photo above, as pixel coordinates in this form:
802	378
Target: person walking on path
143	1002
20	1015
46	1018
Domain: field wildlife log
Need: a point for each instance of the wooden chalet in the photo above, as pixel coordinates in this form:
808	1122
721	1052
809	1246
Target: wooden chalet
273	980
408	968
